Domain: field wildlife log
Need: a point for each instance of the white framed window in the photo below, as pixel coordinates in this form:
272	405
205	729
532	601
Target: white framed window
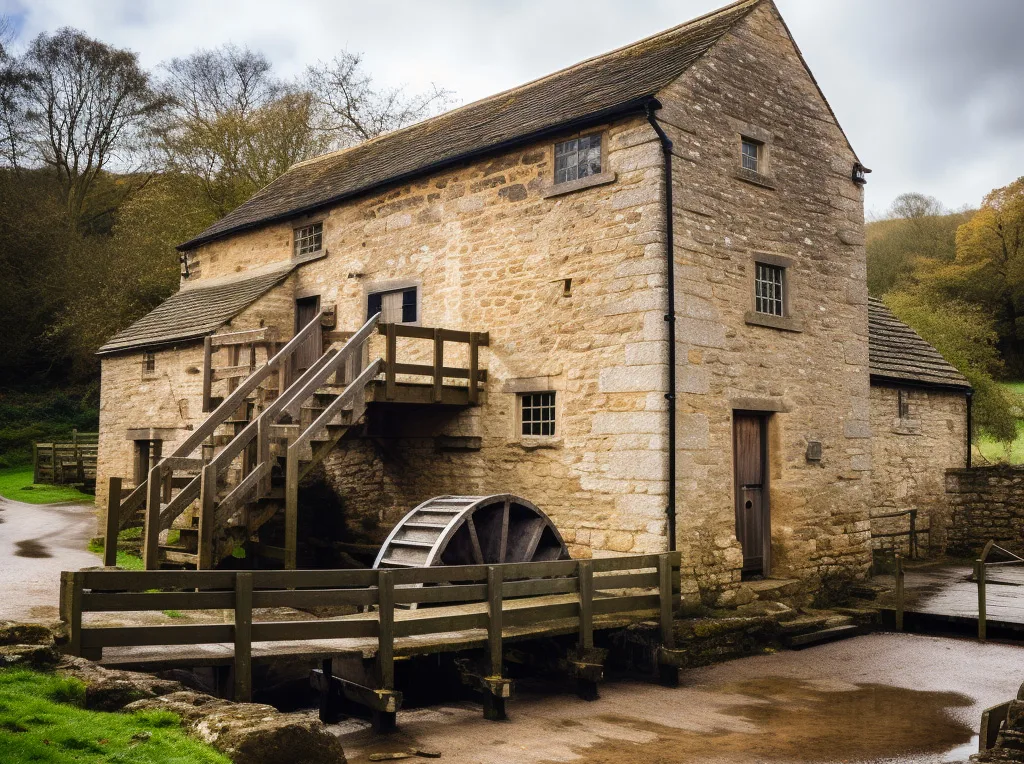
537	414
396	306
309	239
903	404
578	158
751	155
769	289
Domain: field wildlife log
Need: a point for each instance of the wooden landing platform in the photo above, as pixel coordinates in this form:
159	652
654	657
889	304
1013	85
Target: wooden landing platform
164	657
948	592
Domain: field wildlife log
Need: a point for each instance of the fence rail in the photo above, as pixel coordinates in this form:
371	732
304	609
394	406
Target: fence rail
492	598
66	461
911	533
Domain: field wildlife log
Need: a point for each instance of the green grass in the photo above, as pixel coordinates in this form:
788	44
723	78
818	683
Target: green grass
1010	453
16	483
125	559
42	720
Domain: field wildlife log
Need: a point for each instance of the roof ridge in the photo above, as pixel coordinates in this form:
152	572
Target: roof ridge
704	18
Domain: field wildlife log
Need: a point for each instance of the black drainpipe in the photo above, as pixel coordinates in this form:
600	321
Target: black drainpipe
970	424
670	319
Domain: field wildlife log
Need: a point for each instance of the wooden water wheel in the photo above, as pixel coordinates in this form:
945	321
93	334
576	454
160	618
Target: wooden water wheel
471	530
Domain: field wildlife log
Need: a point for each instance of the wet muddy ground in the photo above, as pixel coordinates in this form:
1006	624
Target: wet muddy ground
37	542
879	698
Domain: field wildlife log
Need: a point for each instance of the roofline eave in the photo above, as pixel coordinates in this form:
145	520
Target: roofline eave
638	105
883	380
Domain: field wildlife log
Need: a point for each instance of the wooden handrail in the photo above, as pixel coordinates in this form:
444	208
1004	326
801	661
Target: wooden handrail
338	404
217	417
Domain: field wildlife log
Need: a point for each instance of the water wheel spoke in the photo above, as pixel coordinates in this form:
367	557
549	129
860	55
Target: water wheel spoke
503	545
478	555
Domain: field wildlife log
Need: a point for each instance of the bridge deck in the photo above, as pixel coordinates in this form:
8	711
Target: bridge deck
164	657
949	591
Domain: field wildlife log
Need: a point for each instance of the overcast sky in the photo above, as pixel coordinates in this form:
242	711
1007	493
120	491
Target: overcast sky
929	91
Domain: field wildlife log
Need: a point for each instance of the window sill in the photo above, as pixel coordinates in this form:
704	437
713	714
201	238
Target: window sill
534	443
765	181
906	427
568	187
311	257
784	323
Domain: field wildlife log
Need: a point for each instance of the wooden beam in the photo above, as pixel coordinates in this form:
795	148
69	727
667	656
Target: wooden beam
207	497
386	630
113	524
585	572
291	506
207	375
246	337
474	368
243	637
494	620
151	529
391	350
666	601
438	373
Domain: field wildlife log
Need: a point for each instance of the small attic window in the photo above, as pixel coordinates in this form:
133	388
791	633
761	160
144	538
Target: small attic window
578	158
148	364
309	239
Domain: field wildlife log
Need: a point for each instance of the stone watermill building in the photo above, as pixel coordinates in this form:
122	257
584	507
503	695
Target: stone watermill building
518	252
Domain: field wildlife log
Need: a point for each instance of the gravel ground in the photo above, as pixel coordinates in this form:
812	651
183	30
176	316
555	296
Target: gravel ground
877	698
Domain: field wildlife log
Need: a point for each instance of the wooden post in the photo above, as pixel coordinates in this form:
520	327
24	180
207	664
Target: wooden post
495	580
291	507
263	450
385	720
438	364
207	497
35	463
666	601
243	637
71	609
585	572
113	521
979	573
54	474
151	531
390	354
899	592
913	534
474	367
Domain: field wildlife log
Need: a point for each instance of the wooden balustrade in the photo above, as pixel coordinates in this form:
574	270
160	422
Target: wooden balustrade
540	596
437	371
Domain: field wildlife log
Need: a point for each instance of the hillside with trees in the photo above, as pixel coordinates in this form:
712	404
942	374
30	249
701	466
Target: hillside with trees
106	166
958	279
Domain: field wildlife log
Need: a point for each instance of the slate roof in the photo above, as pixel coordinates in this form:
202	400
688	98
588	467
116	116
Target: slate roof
197	311
896	353
612	83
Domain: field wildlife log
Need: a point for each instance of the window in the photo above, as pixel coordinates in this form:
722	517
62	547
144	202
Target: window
750	154
309	239
537	414
769	283
148	364
397	306
903	403
578	158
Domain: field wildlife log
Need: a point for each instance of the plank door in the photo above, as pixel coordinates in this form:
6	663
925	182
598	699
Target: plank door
753	516
307	353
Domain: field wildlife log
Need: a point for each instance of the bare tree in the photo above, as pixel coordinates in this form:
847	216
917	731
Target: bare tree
354	110
233	124
12	90
86	106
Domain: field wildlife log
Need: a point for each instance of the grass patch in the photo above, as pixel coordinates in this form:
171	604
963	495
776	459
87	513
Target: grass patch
1006	453
125	559
16	483
41	720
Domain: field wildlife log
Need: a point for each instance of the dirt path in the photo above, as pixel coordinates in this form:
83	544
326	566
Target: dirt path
879	698
37	542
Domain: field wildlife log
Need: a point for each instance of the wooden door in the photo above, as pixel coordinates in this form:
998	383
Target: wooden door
753	517
307	353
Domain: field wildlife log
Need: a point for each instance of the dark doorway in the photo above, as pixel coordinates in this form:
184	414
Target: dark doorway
306	354
753	516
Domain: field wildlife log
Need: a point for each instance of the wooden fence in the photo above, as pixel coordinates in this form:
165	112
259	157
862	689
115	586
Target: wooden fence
539	596
69	461
912	533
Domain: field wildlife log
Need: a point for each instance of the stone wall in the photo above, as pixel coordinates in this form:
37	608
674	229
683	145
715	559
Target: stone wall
910	457
987	505
810	370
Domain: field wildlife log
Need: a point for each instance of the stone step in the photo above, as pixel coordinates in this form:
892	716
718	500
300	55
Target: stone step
832	634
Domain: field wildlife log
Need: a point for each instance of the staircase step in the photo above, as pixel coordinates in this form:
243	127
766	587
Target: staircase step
398	563
822	635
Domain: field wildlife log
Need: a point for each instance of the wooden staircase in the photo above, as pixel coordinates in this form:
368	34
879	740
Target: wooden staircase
266	435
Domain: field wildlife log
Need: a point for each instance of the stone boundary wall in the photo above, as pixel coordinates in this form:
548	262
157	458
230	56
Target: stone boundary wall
987	504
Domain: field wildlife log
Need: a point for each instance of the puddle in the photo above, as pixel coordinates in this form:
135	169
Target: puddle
797	721
31	548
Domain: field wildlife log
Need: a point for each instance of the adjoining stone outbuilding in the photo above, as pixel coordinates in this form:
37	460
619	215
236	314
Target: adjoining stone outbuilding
541	216
920	422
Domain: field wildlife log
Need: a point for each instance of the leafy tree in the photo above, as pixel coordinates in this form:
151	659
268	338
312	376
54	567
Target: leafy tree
85	106
966	337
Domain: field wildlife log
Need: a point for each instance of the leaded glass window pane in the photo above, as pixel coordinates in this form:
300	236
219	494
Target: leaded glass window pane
537	413
309	239
768	289
578	158
750	155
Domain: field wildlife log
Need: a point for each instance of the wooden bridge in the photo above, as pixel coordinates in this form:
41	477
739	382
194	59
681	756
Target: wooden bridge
241	467
473	609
